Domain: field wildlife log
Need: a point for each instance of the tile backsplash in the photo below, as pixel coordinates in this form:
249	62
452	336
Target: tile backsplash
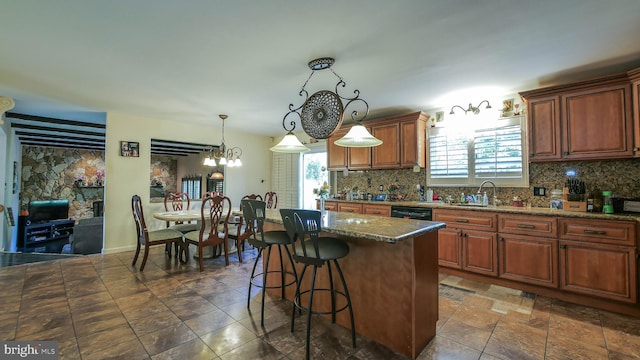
620	176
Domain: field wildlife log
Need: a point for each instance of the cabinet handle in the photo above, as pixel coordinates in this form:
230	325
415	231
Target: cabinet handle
526	226
462	220
565	153
563	246
597	232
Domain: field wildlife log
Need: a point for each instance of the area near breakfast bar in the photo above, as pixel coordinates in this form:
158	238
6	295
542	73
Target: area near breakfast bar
392	274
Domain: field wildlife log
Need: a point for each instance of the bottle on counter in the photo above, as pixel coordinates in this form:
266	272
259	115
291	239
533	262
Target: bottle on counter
485	199
607	204
429	197
462	199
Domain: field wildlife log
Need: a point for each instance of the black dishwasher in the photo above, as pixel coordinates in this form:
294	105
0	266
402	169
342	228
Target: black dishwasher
411	212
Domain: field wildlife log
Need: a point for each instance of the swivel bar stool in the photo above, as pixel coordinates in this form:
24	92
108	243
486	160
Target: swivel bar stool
254	215
303	228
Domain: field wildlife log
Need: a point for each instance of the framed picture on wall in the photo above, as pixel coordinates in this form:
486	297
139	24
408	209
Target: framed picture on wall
129	149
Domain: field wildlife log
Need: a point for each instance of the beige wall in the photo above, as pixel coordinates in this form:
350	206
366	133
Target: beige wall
126	176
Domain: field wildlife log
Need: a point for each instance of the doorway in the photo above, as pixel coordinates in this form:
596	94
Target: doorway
314	175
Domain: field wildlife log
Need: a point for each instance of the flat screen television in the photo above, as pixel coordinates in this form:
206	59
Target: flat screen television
42	211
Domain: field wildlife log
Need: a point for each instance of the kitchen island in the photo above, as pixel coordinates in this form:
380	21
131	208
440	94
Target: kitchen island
392	276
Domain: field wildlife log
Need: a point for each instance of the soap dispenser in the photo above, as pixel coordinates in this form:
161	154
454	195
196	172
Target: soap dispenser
485	199
429	195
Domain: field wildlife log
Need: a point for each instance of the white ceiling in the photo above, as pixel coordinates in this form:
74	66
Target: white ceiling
191	60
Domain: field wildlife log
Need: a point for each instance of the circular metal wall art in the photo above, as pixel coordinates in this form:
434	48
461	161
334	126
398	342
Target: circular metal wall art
322	114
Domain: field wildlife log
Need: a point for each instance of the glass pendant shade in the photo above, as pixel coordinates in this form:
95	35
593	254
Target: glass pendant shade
358	136
289	144
238	162
231	163
222	161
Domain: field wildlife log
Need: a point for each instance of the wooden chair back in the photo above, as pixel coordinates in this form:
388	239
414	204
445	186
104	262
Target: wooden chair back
271	198
138	216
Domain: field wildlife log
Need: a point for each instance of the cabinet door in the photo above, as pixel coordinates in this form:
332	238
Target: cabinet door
350	207
528	259
413	143
336	155
601	270
544	128
382	210
635	94
359	158
479	252
597	123
387	155
449	250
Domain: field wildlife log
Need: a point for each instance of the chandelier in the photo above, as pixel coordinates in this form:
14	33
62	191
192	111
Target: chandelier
472	109
321	115
229	157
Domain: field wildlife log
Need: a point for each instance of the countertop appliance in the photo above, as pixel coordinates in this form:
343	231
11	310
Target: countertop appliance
411	212
626	205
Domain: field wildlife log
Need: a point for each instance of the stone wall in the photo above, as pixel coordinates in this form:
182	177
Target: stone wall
620	176
163	175
51	173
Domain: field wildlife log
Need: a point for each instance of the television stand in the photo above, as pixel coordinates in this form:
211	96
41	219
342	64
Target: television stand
48	237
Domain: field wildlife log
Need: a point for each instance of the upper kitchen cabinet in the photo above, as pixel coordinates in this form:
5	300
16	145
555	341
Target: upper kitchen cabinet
634	76
581	121
404	145
336	155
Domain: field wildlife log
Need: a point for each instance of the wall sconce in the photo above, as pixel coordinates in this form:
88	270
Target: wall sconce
321	115
473	109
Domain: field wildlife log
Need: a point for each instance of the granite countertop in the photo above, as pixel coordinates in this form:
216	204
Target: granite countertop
371	227
543	211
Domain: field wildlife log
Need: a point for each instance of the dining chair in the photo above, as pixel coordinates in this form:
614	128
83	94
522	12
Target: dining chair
176	202
148	238
215	210
309	249
271	198
254	217
239	231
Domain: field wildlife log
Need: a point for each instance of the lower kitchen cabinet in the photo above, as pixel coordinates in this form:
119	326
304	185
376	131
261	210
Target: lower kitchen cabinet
469	241
607	271
329	205
449	249
381	210
479	252
350	207
528	259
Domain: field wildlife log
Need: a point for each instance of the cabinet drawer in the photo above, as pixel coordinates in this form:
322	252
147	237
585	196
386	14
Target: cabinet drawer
349	207
528	225
466	219
382	210
598	231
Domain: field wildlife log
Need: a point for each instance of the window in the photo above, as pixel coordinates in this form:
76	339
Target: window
192	185
494	153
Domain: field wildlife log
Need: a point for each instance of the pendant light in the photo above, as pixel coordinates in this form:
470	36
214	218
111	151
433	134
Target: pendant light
321	115
229	157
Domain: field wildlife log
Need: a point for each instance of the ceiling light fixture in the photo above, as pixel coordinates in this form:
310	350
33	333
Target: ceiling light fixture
321	115
475	110
229	157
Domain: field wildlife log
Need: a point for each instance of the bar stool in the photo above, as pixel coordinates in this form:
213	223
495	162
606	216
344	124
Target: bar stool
254	215
303	228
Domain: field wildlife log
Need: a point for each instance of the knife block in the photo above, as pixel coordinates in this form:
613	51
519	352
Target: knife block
573	205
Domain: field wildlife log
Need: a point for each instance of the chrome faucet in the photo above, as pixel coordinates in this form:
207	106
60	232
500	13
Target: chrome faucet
479	194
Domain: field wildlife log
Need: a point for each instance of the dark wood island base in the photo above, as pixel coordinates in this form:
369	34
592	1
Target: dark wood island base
393	286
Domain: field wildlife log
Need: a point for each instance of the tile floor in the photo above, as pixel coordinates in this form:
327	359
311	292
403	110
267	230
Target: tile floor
99	307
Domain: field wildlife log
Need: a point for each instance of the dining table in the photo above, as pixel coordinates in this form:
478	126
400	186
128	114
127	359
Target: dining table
196	215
